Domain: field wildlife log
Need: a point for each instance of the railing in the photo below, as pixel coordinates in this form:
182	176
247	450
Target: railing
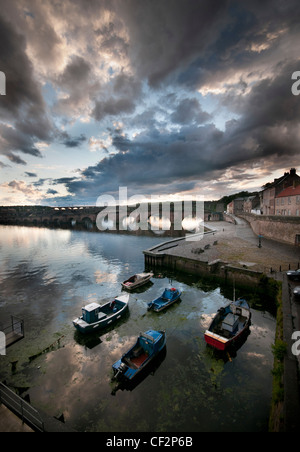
26	412
281	268
14	331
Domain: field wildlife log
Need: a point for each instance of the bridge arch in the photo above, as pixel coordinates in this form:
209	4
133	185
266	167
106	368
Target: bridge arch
56	222
45	222
87	223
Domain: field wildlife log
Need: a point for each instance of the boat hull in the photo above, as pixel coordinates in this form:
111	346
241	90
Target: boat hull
222	339
129	367
86	328
128	285
98	326
222	344
160	303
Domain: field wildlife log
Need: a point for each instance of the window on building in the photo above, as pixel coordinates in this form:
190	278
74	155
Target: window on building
282	201
290	200
297	213
298	199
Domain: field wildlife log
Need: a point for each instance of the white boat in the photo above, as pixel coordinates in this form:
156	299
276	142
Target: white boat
95	317
136	281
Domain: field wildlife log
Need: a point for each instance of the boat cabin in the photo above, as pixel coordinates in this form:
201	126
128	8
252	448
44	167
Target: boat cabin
146	342
230	323
91	313
150	341
168	294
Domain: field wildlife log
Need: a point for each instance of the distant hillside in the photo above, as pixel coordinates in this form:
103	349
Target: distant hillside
221	204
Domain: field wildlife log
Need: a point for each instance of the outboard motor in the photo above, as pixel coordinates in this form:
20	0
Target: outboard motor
122	369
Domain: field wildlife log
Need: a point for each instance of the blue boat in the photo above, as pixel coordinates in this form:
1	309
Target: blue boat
168	297
146	348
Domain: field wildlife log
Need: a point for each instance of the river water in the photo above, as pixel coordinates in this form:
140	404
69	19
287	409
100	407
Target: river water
46	276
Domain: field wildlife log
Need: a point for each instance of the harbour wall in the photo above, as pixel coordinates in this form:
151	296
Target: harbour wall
281	229
216	269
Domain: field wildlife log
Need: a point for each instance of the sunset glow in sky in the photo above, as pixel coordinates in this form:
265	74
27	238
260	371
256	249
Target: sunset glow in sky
164	97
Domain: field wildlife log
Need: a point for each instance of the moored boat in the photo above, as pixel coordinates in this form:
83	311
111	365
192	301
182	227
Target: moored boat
228	325
136	281
168	297
146	348
95	317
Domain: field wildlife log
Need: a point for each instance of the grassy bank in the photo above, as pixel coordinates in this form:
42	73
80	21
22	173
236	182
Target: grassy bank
279	350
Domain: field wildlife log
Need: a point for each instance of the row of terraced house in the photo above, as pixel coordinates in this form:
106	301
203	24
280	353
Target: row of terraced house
280	198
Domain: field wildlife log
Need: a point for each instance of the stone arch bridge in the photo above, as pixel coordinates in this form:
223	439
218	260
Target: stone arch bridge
85	216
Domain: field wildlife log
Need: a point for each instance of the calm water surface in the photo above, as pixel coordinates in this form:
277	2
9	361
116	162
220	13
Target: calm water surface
46	276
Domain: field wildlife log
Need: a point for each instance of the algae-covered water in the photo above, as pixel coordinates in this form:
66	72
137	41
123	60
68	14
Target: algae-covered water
46	276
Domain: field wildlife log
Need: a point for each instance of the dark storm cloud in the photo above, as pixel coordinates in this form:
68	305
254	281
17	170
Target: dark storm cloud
269	117
196	42
113	107
151	161
15	159
17	140
156	60
270	101
21	88
50	191
41	182
78	83
67	181
111	41
76	72
267	130
189	111
74	142
23	104
168	34
124	92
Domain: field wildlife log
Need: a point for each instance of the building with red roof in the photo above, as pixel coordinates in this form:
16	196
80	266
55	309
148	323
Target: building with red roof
287	202
271	191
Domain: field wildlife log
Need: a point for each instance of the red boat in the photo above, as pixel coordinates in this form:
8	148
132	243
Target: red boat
228	325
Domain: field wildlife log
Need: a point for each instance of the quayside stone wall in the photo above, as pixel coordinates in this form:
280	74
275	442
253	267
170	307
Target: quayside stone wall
219	269
282	229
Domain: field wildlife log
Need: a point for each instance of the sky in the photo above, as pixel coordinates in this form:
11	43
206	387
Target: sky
167	98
